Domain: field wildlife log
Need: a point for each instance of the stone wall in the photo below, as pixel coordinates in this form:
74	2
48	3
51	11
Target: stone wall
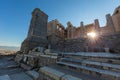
37	34
32	42
111	41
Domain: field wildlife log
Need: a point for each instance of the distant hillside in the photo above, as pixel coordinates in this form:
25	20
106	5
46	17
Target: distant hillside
12	48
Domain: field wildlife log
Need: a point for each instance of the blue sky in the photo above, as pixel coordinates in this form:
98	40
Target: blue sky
15	15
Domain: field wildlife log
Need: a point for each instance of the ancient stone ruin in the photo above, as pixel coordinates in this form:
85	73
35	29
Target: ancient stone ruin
86	52
37	32
55	36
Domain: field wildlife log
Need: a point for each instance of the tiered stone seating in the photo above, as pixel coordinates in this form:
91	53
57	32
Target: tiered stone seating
101	64
57	75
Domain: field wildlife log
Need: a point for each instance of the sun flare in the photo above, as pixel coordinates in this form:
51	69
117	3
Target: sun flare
91	34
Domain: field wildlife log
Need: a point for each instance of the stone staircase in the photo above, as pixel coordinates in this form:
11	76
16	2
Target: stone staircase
10	70
28	75
84	66
101	64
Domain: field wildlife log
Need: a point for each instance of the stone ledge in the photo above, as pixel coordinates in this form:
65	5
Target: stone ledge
94	54
91	62
33	74
57	75
100	71
5	77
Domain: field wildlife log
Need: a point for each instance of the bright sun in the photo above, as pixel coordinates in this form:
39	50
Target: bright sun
91	34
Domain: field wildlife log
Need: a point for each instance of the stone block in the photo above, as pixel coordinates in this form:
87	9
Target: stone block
5	77
47	51
25	59
18	58
117	70
86	71
116	61
93	73
33	61
84	64
56	75
106	68
33	74
69	77
108	76
20	76
46	60
25	66
117	78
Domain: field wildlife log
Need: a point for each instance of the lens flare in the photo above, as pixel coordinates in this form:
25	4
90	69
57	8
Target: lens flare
91	34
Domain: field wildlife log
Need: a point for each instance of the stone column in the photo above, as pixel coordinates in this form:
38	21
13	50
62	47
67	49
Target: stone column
68	33
54	26
97	25
82	29
106	49
72	32
110	22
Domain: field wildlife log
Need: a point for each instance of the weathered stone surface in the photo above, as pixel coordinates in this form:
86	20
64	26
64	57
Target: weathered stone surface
25	66
20	76
38	49
51	72
37	32
95	63
5	77
53	35
100	71
94	54
18	58
57	75
33	74
46	60
33	61
69	77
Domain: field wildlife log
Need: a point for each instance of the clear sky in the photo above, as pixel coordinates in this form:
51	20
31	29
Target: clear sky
15	15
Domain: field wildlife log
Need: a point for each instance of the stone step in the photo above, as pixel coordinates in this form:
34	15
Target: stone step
76	73
97	59
20	76
34	74
108	66
94	54
13	66
57	75
8	65
5	77
10	71
25	66
89	70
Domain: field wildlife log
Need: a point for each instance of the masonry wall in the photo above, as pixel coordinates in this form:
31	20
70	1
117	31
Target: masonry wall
37	34
116	20
84	44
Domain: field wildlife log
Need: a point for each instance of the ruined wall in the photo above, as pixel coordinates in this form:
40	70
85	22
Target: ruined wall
55	28
72	32
77	40
75	45
111	41
116	18
71	38
37	32
70	45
